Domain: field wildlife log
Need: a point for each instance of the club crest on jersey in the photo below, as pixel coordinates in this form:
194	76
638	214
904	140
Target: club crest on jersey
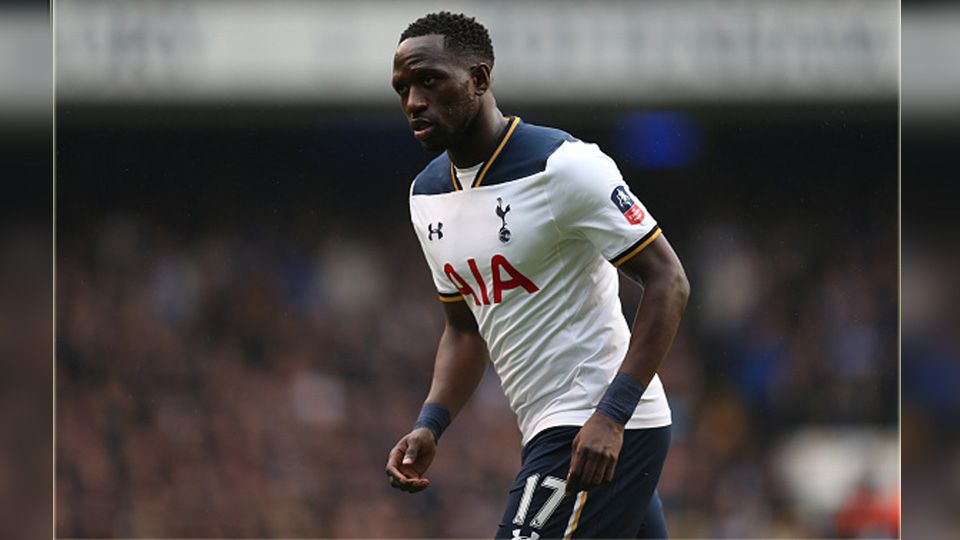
502	214
624	202
438	231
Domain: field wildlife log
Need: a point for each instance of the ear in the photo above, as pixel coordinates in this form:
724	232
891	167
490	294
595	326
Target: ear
480	73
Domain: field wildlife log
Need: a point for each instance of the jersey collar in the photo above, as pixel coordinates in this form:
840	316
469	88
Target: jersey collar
512	123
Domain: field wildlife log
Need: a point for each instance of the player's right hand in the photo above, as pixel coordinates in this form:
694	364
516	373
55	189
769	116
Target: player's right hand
409	460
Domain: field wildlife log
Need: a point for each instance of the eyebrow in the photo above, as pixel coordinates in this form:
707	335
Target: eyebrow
420	69
419	61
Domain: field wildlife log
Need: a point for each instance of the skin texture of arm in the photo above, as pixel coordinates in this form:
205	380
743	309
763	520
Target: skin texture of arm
462	358
666	289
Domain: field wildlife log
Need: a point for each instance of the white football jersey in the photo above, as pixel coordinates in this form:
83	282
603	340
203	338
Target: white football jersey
529	239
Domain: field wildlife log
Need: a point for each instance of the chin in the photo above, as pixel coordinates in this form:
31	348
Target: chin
433	145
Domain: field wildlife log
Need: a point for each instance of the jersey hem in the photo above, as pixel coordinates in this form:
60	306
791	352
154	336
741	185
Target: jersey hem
579	418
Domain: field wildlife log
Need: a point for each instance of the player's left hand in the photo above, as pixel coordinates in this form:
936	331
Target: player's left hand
596	449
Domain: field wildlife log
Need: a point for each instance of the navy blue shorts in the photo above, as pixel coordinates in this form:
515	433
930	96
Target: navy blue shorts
627	507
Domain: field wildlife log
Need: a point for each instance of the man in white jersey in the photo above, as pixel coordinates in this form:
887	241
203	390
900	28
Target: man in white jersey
523	228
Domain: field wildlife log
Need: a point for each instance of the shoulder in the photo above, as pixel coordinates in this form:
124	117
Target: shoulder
539	140
581	177
434	179
577	159
527	152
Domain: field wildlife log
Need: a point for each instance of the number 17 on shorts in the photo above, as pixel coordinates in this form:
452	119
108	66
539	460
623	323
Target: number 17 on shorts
540	501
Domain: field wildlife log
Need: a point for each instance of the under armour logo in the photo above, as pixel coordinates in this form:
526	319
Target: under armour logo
502	214
533	535
436	231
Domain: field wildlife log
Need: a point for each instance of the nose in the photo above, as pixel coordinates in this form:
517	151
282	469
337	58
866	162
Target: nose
416	102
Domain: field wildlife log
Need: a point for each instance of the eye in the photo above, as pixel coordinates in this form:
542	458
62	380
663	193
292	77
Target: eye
429	80
400	88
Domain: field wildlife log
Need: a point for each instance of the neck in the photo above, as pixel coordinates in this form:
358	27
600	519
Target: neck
480	138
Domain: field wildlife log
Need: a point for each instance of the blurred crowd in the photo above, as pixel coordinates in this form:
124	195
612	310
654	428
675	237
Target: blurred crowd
219	384
931	363
26	404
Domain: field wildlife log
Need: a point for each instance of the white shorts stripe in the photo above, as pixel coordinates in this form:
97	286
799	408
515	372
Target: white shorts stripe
575	515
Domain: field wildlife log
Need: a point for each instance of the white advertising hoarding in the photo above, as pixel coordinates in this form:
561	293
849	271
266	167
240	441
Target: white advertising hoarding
547	51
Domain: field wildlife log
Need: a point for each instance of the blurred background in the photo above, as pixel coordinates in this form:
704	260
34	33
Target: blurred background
26	270
930	307
245	324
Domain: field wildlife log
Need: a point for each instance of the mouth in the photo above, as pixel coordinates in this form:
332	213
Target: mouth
421	128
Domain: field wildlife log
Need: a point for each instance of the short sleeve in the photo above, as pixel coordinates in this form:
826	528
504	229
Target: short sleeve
590	199
445	289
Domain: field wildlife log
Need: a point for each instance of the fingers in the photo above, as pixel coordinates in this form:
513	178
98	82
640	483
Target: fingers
603	471
405	482
573	475
393	464
410	486
410	456
589	469
403	476
590	466
611	470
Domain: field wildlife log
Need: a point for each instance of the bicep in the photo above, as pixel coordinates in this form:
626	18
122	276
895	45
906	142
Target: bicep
459	317
658	259
461	360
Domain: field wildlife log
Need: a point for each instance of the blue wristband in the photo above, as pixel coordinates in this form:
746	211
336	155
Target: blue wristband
434	417
620	399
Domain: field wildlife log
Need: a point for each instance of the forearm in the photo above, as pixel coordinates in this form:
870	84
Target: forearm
597	446
461	361
655	326
459	367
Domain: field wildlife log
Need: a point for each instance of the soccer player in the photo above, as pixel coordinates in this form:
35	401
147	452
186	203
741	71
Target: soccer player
523	228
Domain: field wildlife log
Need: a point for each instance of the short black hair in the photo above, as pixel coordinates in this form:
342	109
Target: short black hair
461	33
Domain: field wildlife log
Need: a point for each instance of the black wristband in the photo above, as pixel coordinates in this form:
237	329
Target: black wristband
434	417
620	399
